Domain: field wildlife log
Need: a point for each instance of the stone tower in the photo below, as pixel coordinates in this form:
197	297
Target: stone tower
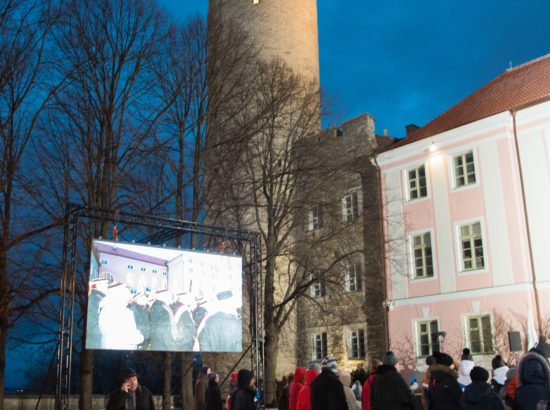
285	29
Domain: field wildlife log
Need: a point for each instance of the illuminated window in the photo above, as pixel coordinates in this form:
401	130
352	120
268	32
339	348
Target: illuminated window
464	169
416	183
320	346
422	256
356	344
471	246
480	334
427	337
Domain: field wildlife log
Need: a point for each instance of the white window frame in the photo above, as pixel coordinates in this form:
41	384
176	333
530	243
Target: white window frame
322	339
479	317
356	336
318	289
431	345
460	251
454	167
412	248
417	178
315	218
353	212
353	277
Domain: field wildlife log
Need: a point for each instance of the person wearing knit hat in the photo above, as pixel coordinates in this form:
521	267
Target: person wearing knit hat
389	390
466	354
478	394
326	392
131	395
499	373
213	395
444	390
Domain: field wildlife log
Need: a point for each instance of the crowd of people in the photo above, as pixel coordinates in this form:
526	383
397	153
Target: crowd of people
446	385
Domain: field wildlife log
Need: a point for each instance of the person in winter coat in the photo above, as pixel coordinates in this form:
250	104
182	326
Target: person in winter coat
533	378
345	379
295	387
131	395
365	393
326	391
304	402
479	395
284	397
213	396
445	393
425	399
499	373
243	397
233	388
200	387
389	390
465	367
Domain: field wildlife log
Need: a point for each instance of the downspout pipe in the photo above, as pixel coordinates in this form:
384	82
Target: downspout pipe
513	113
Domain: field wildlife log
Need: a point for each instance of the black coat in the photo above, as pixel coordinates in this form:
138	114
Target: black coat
243	397
389	391
445	393
213	397
481	396
533	381
327	393
144	399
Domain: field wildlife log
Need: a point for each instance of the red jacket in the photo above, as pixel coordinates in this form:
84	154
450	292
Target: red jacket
296	387
304	402
365	393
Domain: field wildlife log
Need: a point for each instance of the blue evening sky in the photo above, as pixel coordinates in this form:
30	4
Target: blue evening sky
406	61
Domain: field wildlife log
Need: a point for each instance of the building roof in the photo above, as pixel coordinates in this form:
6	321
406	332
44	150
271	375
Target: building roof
517	87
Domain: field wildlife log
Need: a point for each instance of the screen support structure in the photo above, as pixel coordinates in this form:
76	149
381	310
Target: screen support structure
163	229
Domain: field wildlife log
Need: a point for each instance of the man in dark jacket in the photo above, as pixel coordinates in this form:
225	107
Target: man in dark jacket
243	397
479	395
326	391
131	395
445	393
388	390
533	378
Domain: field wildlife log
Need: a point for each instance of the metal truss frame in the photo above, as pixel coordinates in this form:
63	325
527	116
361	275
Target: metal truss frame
164	229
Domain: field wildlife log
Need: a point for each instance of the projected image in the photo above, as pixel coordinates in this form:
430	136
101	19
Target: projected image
153	298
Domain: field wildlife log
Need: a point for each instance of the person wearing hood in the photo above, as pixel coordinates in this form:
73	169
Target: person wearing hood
296	386
345	379
304	402
465	367
284	397
445	393
243	397
326	392
533	381
365	393
389	390
479	395
499	373
543	350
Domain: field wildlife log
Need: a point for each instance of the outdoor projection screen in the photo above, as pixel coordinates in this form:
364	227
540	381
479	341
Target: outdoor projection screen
163	299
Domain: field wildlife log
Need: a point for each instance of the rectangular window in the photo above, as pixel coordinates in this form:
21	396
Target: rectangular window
315	218
464	168
422	256
356	348
471	246
353	277
480	334
320	346
350	207
318	289
416	182
428	337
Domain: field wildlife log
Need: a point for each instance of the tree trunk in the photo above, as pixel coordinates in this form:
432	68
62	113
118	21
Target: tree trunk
271	351
86	378
186	382
167	390
3	335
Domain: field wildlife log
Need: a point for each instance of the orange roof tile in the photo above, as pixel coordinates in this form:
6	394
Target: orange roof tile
518	86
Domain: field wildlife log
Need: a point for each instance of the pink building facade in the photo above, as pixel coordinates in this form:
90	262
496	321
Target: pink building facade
466	204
